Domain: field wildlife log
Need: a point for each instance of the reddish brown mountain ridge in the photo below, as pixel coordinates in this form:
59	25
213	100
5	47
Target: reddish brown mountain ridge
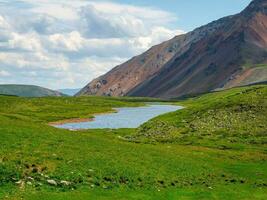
229	52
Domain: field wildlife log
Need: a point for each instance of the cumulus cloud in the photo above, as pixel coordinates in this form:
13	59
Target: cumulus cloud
4	73
65	44
3	23
28	42
97	24
39	23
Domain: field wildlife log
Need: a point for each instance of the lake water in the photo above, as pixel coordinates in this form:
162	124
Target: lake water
123	118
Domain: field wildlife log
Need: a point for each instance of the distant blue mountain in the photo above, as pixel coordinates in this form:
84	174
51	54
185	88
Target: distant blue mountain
70	92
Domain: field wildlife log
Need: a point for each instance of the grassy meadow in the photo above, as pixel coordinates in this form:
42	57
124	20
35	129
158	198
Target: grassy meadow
215	148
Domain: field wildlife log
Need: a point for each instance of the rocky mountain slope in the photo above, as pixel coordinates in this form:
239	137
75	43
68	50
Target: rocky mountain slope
27	91
229	52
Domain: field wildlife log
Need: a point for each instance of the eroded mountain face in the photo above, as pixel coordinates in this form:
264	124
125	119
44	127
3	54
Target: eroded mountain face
228	52
120	80
123	78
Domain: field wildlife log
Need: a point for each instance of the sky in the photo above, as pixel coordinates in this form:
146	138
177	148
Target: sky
67	43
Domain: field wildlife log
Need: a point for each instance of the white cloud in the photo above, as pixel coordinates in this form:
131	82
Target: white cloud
29	42
66	44
100	24
151	15
3	23
4	73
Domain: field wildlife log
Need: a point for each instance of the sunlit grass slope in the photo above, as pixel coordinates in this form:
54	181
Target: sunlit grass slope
230	119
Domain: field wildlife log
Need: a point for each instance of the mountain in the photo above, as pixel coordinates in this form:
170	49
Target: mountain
120	80
28	91
70	92
229	52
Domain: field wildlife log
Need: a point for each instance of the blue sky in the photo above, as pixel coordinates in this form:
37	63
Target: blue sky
67	43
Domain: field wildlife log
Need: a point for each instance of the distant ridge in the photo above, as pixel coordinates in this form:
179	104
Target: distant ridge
226	53
27	91
70	92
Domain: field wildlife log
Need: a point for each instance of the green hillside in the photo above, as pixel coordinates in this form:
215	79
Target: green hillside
213	149
27	91
222	120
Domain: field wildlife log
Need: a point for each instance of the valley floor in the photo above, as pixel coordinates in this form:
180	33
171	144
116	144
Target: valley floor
216	148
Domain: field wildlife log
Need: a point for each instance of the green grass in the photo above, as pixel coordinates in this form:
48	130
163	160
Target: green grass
248	65
135	163
234	118
51	109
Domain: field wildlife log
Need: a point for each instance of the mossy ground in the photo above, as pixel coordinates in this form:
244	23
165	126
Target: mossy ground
197	153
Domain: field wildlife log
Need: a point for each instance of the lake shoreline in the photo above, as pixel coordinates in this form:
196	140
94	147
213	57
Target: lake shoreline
66	121
124	117
79	120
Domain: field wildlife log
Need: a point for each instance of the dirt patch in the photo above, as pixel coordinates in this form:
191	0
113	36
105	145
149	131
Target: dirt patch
61	122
